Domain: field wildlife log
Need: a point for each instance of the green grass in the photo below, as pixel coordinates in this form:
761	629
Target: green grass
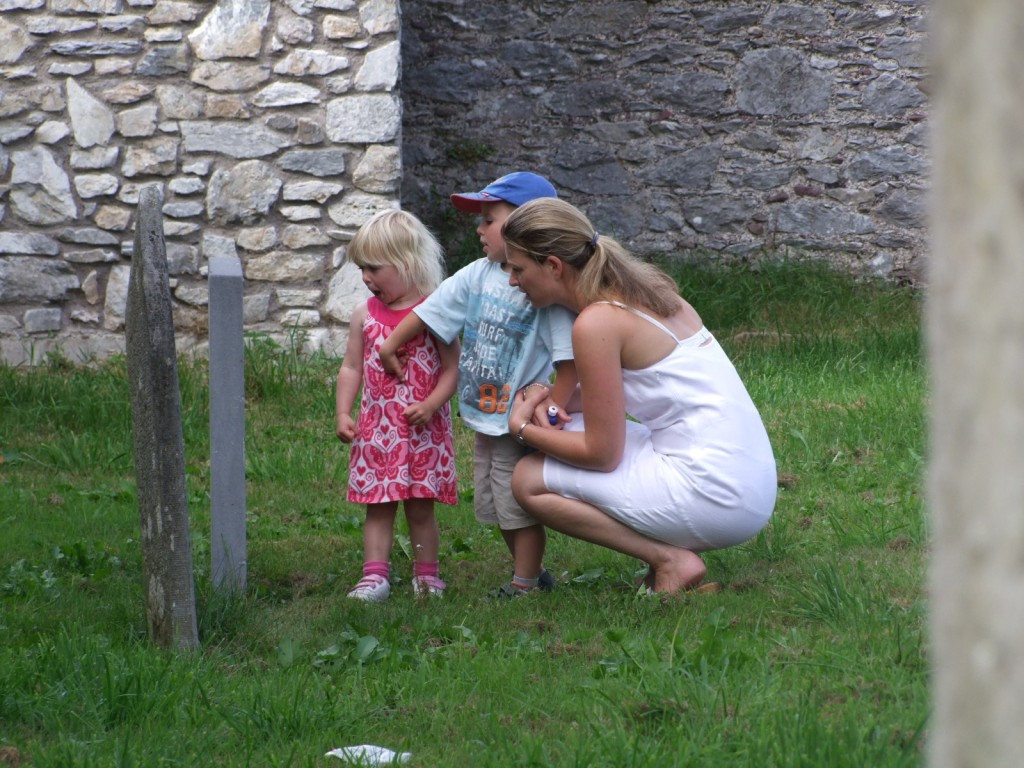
813	654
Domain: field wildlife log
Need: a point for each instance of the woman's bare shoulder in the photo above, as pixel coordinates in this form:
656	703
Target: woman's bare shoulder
602	311
601	317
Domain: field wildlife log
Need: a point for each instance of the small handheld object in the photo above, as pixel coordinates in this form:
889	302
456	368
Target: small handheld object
553	415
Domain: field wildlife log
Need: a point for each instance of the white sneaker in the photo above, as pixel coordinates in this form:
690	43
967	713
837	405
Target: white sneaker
371	589
424	586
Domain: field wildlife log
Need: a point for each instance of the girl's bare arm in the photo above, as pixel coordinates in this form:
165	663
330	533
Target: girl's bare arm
350	378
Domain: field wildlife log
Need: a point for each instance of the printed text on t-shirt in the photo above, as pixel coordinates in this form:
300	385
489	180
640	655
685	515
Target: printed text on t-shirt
490	401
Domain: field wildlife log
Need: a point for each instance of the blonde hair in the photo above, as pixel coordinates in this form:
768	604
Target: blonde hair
399	239
552	227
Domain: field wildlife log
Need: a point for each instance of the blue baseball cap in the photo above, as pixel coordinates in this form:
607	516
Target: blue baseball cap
514	188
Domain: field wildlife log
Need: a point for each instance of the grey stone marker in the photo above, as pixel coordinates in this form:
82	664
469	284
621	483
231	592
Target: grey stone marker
156	427
227	425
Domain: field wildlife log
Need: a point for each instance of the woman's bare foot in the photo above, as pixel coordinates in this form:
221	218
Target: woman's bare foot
682	569
647	580
650	578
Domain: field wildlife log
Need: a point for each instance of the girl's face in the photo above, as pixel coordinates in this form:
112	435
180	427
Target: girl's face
535	279
387	284
492	216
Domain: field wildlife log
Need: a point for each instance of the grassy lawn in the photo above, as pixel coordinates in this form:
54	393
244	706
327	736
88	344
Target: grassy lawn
812	655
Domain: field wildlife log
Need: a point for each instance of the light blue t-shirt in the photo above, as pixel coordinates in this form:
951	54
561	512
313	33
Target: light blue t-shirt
506	342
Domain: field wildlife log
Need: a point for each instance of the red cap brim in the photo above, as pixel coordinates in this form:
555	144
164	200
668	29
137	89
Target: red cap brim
468	203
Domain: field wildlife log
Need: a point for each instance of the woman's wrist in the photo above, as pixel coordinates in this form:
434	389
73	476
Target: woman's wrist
519	436
526	389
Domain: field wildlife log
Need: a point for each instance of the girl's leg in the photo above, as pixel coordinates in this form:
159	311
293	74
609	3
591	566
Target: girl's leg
379	531
423	531
378	536
674	568
425	538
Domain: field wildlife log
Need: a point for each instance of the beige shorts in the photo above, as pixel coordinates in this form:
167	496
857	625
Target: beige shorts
494	458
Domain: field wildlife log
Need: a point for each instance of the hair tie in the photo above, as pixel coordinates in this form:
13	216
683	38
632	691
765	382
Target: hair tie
593	240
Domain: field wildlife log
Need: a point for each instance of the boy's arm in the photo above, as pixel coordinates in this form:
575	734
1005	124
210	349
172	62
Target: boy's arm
448	381
408	329
350	378
565	384
422	412
563	394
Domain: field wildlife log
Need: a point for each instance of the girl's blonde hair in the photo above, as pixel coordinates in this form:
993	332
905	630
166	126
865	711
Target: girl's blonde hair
399	239
552	227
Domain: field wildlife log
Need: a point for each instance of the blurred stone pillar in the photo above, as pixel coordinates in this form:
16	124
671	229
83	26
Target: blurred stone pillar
975	342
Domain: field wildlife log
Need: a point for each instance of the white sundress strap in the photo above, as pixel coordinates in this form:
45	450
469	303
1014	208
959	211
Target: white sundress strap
700	336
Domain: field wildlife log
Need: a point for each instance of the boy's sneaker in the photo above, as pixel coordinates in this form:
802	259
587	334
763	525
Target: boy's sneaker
426	586
546	582
371	589
510	591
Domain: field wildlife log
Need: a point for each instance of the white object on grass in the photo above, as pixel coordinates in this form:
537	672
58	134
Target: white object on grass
368	754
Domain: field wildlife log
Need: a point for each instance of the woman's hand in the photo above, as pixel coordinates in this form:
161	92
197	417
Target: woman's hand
542	415
525	405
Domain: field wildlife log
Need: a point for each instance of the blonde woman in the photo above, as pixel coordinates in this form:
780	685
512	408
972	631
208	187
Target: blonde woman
693	470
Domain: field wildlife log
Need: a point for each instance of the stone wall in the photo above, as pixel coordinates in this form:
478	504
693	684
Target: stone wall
273	130
275	127
726	126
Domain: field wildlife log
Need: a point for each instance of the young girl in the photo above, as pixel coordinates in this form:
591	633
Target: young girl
402	448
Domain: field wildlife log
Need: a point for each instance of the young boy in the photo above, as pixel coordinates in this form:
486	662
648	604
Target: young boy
506	345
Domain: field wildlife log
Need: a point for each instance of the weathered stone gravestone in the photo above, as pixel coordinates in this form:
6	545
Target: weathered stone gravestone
156	427
227	425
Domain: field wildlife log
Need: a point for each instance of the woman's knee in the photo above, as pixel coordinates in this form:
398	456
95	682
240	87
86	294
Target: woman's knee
528	479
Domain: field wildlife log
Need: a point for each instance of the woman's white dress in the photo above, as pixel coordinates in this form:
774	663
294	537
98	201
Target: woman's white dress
698	469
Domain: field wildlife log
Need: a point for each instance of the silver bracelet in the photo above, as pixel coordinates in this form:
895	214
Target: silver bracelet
526	389
520	437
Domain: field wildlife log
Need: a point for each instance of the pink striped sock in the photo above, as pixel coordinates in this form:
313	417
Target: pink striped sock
377	568
424	568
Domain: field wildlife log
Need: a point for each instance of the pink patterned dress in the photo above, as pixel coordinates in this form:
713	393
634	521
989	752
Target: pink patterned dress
392	460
